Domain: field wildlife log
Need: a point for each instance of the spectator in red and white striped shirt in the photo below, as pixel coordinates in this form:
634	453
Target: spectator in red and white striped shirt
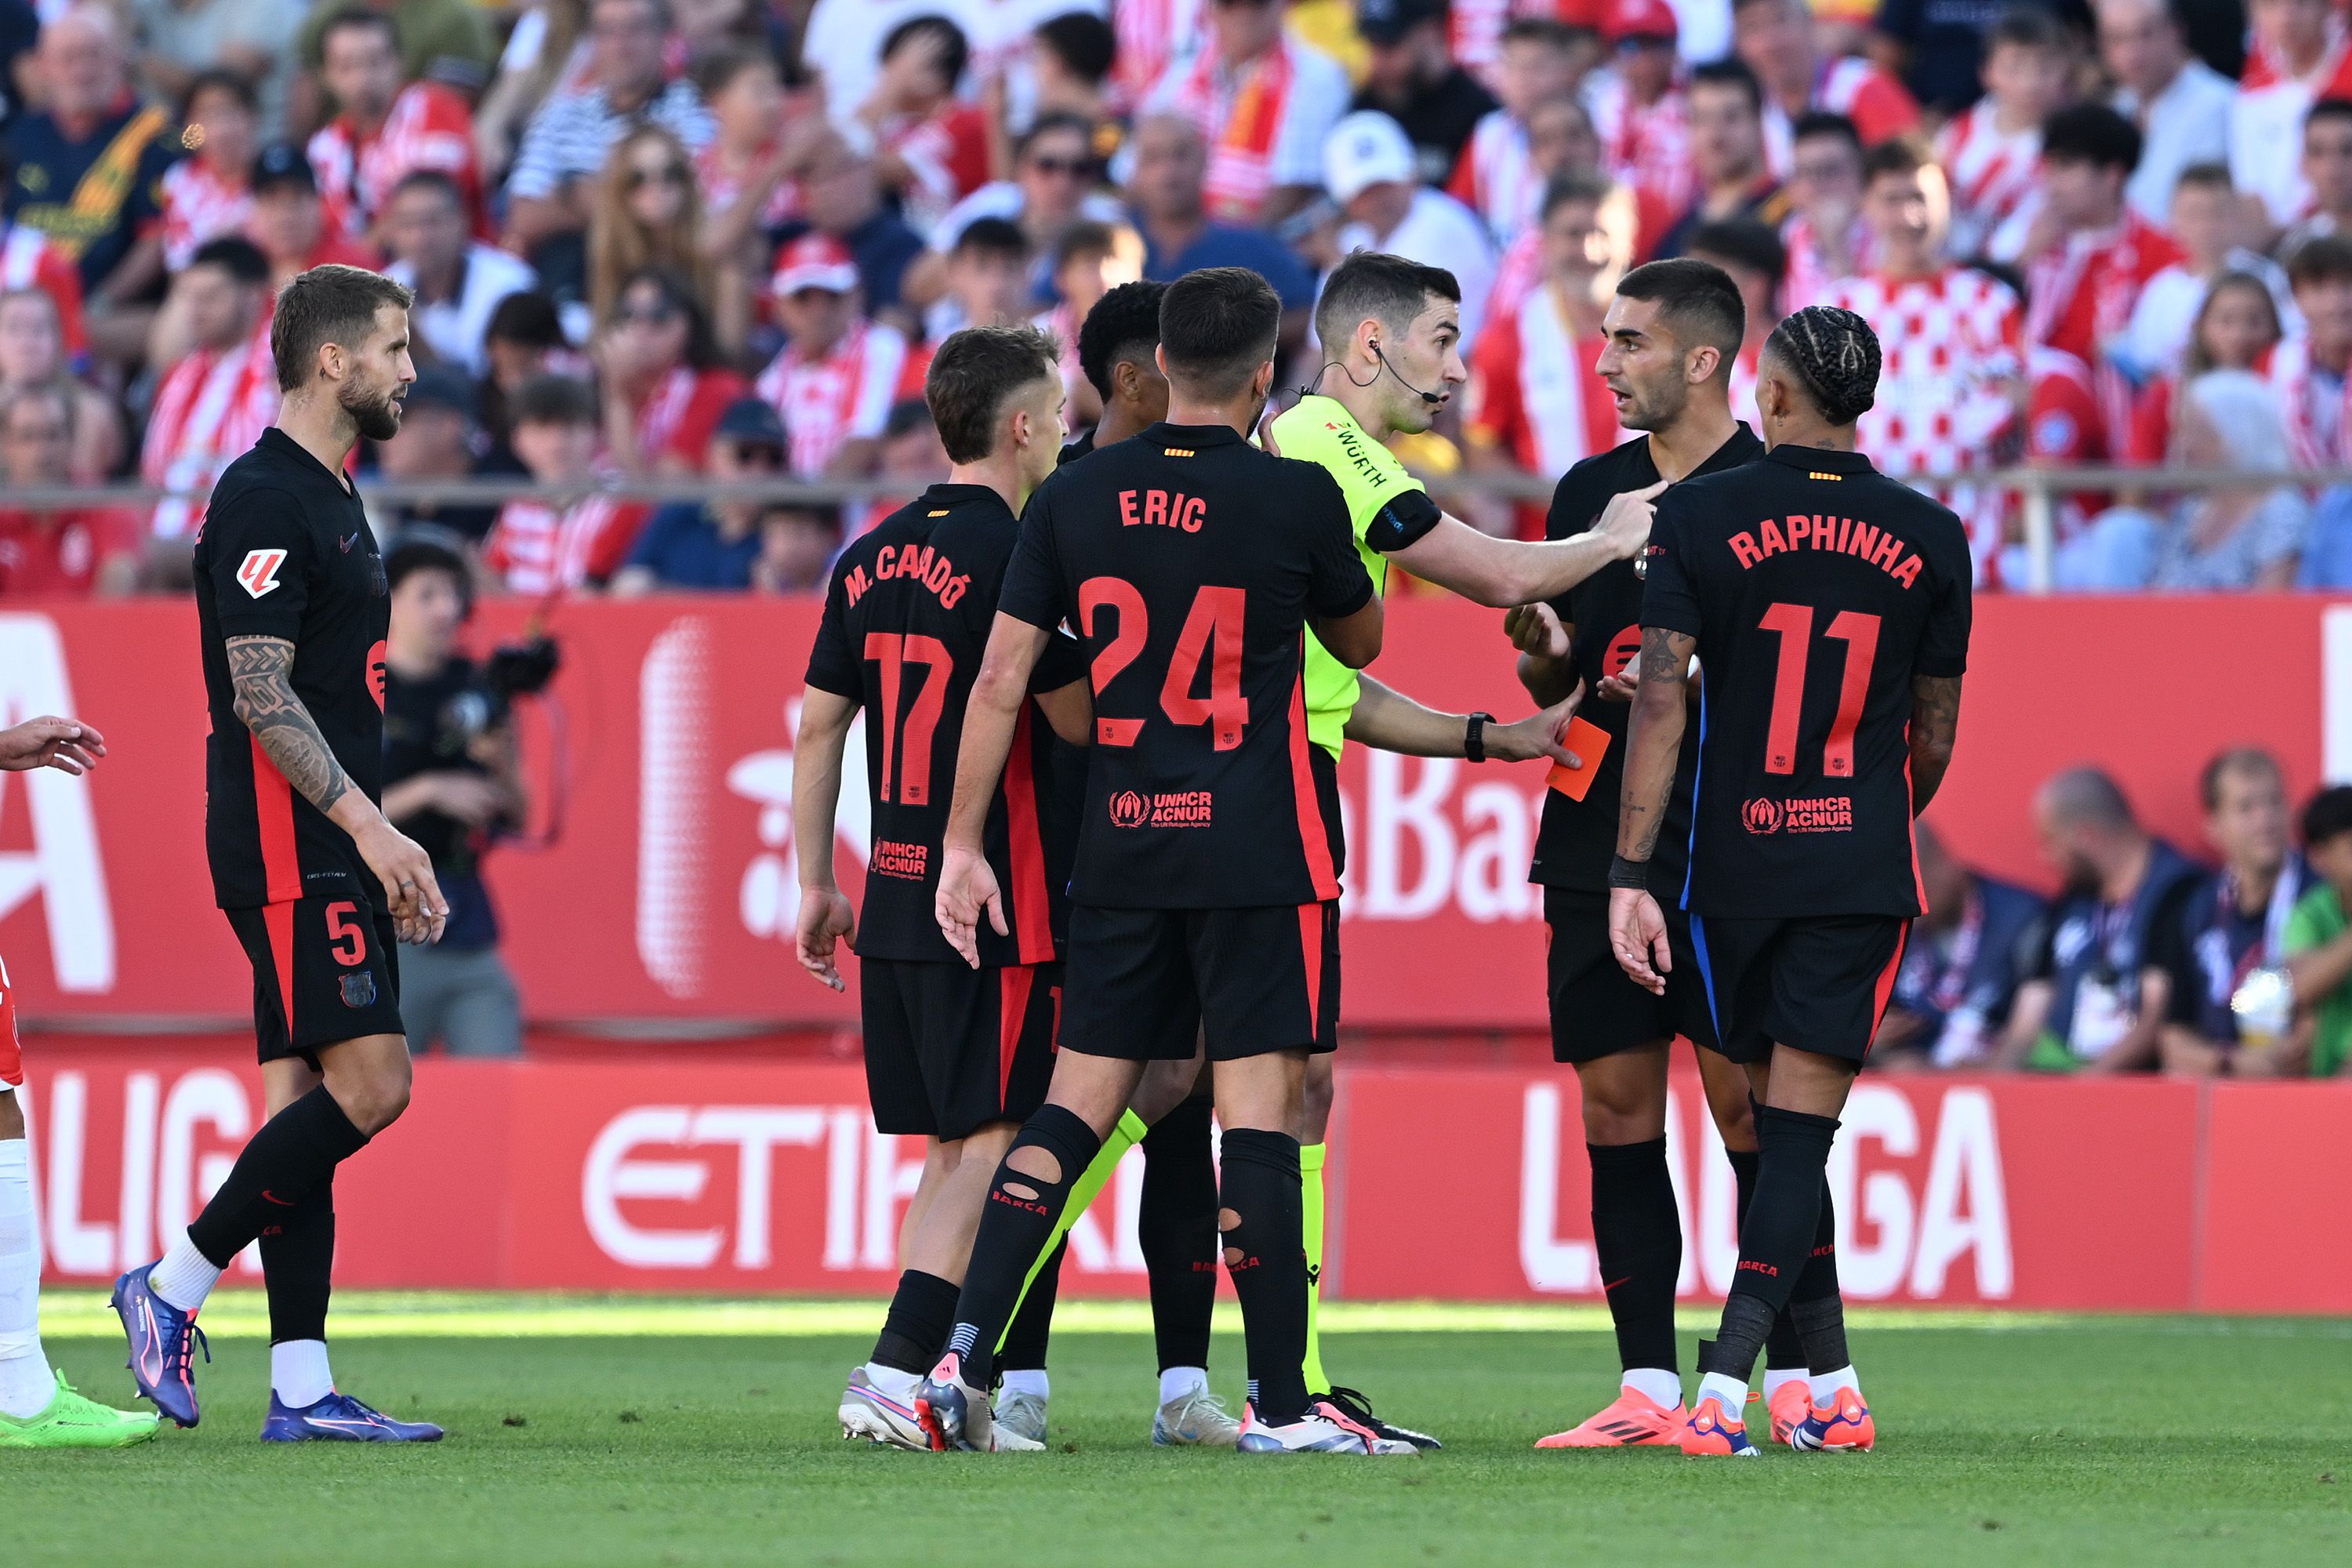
1497	176
745	174
221	392
1640	111
932	148
837	377
1780	41
1991	150
1825	236
385	130
211	194
543	546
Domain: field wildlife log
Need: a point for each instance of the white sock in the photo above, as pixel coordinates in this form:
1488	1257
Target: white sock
1029	1380
1725	1388
184	1278
298	1374
890	1380
1825	1387
1655	1384
27	1385
1177	1382
1778	1378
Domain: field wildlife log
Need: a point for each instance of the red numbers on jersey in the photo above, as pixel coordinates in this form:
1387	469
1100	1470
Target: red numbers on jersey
906	745
1212	634
1162	509
1794	623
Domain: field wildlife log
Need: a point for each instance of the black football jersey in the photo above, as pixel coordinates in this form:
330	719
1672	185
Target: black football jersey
906	619
1604	614
1189	563
285	552
1817	589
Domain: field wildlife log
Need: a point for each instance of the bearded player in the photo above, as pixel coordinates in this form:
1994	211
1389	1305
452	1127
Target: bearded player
292	607
1671	338
39	1408
1829	609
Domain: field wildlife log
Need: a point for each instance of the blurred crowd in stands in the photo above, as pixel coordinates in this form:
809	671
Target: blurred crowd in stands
720	238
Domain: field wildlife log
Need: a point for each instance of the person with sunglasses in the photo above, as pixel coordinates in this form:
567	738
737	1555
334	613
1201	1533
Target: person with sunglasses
712	544
1056	178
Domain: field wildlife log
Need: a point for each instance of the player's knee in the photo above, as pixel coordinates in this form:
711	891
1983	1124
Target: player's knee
1034	1159
376	1100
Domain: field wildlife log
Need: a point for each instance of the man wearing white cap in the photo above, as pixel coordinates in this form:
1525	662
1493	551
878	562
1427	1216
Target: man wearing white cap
839	374
1370	169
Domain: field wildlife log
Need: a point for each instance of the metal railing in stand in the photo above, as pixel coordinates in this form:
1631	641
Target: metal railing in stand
2039	491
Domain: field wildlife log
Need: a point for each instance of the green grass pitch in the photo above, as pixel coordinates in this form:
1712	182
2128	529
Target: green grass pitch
585	1432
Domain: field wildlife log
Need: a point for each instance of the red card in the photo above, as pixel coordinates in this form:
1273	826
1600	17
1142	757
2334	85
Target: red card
1591	744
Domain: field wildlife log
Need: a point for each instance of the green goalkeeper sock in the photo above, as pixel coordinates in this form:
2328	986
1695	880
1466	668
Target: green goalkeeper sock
1126	1135
1310	1177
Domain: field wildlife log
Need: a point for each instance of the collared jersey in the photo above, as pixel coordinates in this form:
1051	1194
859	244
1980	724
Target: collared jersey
1387	509
906	619
1189	563
1817	589
285	552
1604	614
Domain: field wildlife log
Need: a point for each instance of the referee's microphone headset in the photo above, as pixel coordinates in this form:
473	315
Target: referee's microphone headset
1431	398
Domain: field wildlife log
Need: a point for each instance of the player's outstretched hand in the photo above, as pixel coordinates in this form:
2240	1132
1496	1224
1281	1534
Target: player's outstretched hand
1537	735
1637	936
825	919
66	744
1535	630
967	887
1621	687
411	890
1625	521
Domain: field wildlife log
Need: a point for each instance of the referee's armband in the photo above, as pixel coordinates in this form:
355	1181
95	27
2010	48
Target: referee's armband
1403	522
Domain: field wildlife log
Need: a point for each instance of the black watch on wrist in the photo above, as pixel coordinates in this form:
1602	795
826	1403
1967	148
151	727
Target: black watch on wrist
1473	736
1624	873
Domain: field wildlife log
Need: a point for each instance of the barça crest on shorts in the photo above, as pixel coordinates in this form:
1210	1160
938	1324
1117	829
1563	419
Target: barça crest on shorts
359	989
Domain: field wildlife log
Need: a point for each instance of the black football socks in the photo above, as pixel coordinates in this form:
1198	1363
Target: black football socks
298	1264
1177	1224
1266	1253
1776	1240
1815	1308
1784	1349
1015	1224
293	1155
1637	1239
921	1312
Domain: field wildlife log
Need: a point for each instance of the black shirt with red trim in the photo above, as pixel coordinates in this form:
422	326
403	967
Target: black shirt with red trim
285	552
1604	614
906	619
1817	589
1189	563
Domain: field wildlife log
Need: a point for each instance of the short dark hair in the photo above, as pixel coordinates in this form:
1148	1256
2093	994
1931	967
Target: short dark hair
427	547
360	17
712	72
2212	175
2325	259
2025	27
328	304
1744	242
1047	124
1835	355
2087	794
1731	73
1124	325
1822	122
1388	288
527	317
2236	760
555	400
955	50
1576	186
236	256
973	374
217	79
1217	325
701	347
992	235
433	180
1082	41
2329	816
1548	30
1083	237
2091	133
1697	299
907	415
2327	109
1896	156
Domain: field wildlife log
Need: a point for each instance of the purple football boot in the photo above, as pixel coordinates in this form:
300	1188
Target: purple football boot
164	1342
340	1419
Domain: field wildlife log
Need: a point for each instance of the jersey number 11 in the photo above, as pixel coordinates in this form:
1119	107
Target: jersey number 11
1794	623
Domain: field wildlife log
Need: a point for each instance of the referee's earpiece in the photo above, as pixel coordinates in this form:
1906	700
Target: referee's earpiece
1429	398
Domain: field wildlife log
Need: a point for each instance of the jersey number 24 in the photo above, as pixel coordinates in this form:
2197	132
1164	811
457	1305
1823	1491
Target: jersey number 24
1211	631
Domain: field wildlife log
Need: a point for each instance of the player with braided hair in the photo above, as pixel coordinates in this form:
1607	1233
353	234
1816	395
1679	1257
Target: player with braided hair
1828	606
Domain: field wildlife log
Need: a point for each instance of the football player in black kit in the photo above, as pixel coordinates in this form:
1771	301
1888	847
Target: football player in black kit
956	1054
1671	335
1828	607
293	608
1190	564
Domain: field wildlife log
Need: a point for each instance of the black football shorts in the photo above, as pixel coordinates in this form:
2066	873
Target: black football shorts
1816	982
1597	1010
1150	984
324	970
949	1048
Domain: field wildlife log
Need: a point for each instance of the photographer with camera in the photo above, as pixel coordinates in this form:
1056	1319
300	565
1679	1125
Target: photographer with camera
452	781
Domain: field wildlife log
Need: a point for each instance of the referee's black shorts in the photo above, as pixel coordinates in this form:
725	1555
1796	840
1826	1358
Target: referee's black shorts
1597	1010
949	1048
1815	982
324	970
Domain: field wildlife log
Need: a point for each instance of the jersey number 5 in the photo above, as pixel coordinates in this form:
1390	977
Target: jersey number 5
1859	632
1211	632
909	753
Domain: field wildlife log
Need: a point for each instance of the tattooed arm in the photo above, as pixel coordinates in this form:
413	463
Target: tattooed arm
1637	927
1934	722
261	672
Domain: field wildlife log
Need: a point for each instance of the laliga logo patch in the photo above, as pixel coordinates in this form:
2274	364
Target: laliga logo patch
1127	809
258	574
1762	816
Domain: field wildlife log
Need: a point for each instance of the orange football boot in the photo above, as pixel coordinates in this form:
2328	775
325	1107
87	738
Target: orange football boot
1790	1403
1632	1420
1712	1432
1839	1425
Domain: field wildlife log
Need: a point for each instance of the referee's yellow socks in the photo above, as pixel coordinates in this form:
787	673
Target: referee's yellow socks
1310	1181
1126	1135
